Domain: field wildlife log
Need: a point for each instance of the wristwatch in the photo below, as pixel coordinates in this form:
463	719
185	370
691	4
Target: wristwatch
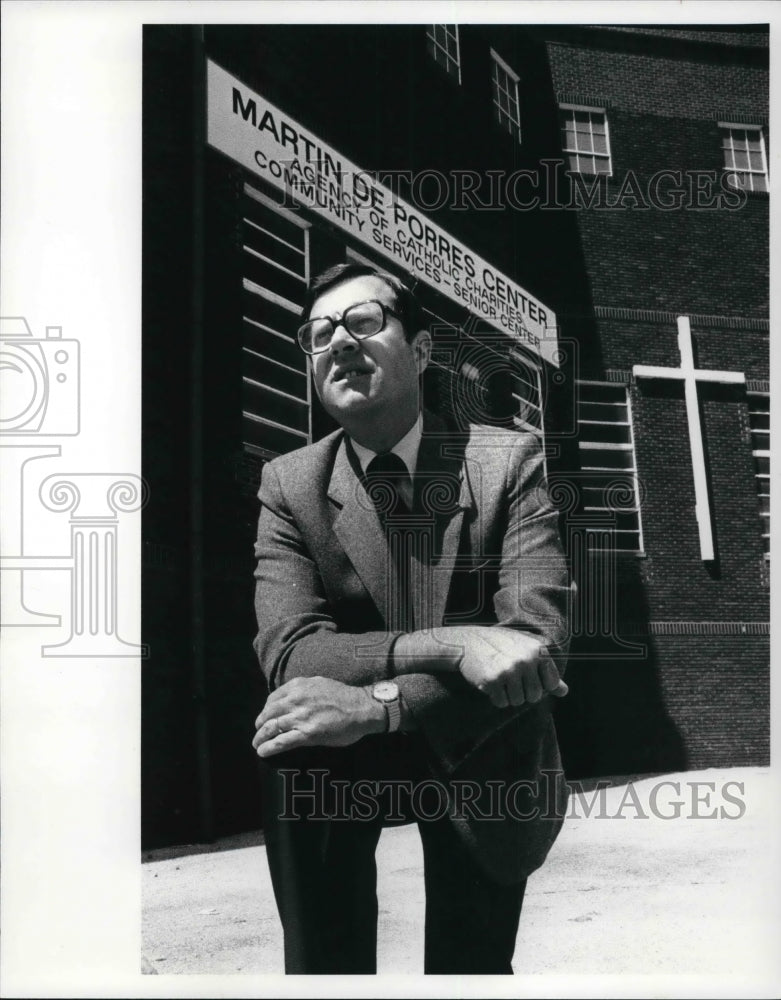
388	695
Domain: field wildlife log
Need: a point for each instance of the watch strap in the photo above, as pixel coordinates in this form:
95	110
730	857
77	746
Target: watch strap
393	711
388	695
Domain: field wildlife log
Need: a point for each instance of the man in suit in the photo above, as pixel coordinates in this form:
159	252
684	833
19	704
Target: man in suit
412	603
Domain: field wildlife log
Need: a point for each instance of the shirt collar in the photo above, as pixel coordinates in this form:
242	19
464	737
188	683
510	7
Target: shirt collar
407	448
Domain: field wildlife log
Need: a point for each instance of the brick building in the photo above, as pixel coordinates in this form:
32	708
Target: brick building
615	178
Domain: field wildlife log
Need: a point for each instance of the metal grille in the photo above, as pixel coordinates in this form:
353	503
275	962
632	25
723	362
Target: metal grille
275	383
759	420
607	460
481	377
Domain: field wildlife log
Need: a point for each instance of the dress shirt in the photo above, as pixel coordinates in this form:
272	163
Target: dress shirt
407	450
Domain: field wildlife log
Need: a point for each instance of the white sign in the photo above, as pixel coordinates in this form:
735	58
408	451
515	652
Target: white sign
254	133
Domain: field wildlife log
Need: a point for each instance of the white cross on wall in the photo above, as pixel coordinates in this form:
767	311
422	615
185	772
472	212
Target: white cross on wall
690	376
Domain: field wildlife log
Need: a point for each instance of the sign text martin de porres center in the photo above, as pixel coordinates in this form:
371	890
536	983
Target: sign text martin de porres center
268	142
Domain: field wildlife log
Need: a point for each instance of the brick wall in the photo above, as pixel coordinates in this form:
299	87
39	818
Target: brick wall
679	585
709	689
660	85
663	114
717	689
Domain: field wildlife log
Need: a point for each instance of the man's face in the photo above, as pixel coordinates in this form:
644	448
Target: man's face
373	376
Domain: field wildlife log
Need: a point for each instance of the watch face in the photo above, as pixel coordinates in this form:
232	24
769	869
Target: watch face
386	691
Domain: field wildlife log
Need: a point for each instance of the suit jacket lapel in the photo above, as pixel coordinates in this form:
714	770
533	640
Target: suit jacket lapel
443	494
358	528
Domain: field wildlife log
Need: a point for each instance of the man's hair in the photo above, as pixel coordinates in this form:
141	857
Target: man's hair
406	303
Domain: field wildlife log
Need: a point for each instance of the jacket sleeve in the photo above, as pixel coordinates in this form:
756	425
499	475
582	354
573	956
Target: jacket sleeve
532	595
297	635
534	592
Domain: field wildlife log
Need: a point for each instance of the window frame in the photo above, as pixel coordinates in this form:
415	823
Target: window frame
628	447
752	397
748	173
608	157
452	63
505	119
253	193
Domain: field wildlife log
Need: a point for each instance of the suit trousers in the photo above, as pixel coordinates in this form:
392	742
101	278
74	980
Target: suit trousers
324	872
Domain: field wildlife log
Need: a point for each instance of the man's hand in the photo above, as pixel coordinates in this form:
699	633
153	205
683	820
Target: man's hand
509	666
316	711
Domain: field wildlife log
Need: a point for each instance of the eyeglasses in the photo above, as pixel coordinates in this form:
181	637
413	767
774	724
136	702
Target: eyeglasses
364	319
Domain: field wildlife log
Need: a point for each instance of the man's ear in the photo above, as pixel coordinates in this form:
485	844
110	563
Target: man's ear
421	344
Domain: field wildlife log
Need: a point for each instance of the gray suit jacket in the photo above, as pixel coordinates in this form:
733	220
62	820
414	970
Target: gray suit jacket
492	555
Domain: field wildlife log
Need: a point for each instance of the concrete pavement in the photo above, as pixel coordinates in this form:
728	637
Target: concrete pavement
624	891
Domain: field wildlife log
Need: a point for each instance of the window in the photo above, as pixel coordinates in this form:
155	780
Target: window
476	374
607	461
442	44
585	139
504	86
759	420
744	156
275	398
481	378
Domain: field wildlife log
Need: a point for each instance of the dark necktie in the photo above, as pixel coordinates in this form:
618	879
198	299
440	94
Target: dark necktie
385	474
